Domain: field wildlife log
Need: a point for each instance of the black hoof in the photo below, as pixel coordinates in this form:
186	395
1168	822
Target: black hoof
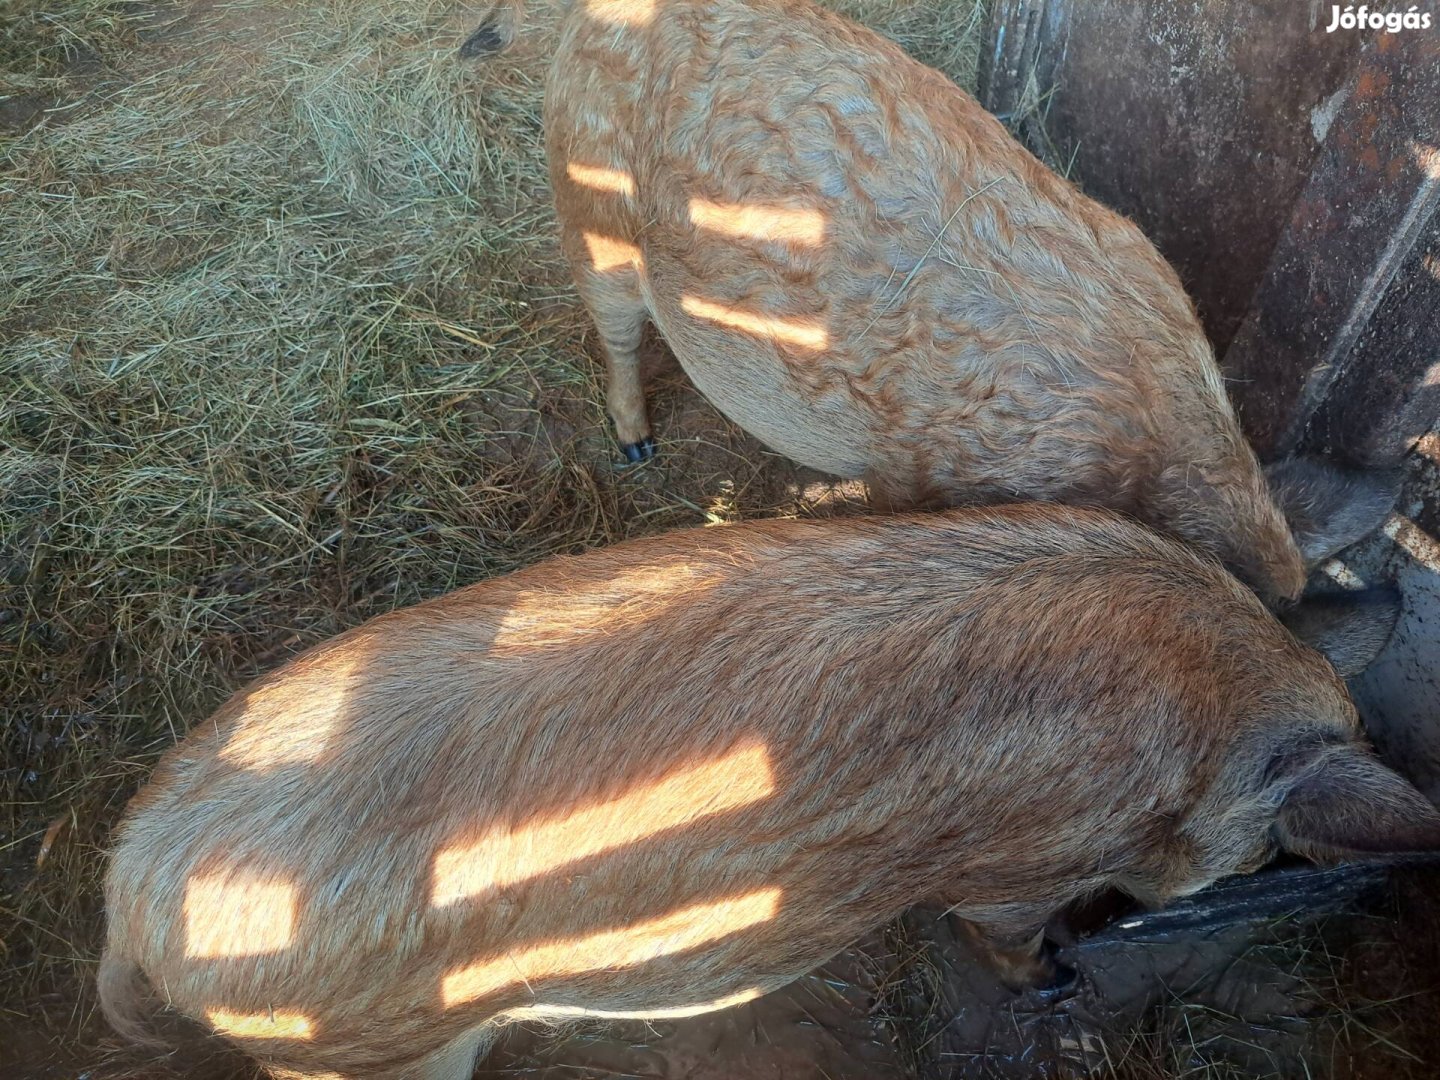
643	450
1063	981
1062	985
483	42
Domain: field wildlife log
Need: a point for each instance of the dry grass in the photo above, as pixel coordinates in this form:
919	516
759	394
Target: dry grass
285	342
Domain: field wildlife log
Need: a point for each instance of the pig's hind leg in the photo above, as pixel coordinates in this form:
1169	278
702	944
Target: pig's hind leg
607	276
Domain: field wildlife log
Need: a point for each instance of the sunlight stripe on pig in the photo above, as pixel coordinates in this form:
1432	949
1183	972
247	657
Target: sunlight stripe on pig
804	333
233	914
506	858
610	949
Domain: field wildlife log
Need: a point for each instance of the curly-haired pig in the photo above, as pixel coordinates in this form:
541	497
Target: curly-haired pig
856	263
672	775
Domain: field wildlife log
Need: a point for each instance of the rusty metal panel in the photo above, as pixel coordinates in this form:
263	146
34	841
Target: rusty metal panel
1197	118
1293	177
1386	394
1365	209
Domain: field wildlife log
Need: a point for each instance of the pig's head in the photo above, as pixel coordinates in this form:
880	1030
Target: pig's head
1305	513
1337	802
1329	508
1349	629
1303	779
1271	529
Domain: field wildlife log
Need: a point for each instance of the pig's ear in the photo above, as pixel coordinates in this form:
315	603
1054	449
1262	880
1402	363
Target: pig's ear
1350	629
1346	805
1328	509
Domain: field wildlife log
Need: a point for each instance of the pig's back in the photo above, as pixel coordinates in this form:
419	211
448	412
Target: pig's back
937	294
786	727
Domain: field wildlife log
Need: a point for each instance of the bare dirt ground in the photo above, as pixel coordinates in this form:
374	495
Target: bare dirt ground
285	343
